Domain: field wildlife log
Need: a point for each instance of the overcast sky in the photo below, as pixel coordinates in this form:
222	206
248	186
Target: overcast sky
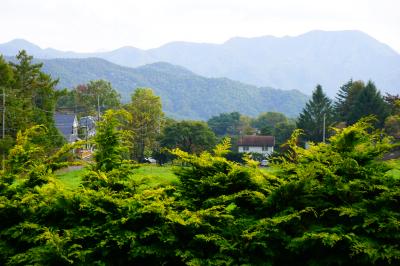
94	25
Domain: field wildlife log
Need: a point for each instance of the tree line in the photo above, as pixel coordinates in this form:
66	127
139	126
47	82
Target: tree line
32	98
354	100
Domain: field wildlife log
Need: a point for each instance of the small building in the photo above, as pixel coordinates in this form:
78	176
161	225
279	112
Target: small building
68	125
88	126
256	144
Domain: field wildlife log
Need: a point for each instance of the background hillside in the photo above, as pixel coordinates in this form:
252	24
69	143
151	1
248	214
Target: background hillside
327	57
183	93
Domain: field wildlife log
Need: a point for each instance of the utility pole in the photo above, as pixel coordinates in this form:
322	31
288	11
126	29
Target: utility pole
86	137
323	129
3	125
98	107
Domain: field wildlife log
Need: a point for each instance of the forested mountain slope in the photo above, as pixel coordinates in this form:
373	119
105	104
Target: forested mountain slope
183	93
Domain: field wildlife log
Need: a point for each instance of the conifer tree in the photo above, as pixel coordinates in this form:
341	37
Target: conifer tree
368	102
311	119
6	79
346	98
356	100
32	99
341	104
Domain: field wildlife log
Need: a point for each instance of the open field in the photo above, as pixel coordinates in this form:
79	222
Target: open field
150	175
154	175
71	179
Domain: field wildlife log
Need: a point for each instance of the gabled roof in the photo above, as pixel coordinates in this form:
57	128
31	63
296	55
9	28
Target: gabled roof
87	121
259	141
64	123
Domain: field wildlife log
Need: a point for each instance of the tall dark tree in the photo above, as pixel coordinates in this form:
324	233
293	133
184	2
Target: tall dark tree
341	105
346	99
6	79
31	100
368	102
311	119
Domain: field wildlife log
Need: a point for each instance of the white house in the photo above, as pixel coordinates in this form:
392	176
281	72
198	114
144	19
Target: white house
256	144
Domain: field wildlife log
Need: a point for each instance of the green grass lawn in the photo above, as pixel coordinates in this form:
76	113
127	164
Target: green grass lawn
153	175
71	179
149	175
395	172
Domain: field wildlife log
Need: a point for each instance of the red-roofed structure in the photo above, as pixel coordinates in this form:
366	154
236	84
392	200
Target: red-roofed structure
256	144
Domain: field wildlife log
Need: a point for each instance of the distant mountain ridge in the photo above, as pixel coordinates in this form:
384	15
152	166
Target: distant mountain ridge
183	93
329	58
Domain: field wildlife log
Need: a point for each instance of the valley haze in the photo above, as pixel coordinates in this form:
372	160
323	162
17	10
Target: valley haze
329	58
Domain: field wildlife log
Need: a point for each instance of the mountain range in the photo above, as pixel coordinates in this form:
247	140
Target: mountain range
184	95
329	58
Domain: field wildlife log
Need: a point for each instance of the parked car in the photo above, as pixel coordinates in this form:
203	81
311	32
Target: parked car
150	160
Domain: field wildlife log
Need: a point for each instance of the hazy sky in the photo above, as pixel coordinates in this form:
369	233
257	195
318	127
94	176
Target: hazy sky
93	25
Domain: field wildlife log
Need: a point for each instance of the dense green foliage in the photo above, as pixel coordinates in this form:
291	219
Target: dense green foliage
225	124
189	136
266	123
333	204
30	99
145	108
369	102
392	122
110	141
356	100
89	99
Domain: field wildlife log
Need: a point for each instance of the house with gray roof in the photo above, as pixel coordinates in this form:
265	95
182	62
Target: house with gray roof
68	126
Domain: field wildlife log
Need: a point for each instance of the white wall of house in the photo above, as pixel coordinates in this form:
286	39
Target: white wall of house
256	149
75	126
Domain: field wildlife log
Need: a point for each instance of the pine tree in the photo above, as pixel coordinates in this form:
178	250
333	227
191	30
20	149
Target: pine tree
32	100
341	104
312	116
368	102
346	98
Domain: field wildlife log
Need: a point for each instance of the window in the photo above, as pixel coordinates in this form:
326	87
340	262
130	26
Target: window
245	148
265	148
